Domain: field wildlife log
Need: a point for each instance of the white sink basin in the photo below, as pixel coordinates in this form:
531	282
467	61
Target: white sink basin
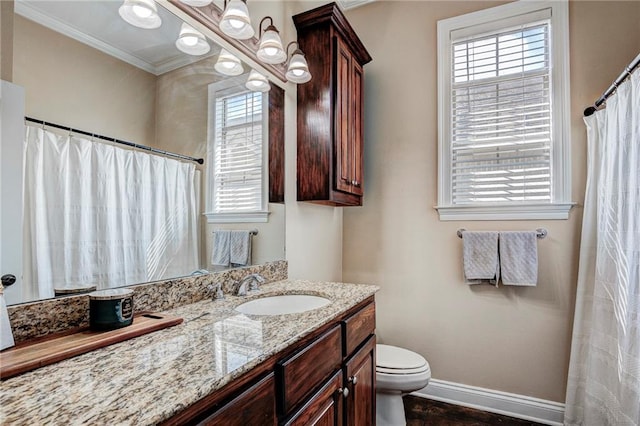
285	304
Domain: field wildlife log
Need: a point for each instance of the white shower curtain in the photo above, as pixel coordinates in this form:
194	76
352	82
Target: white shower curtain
99	214
604	373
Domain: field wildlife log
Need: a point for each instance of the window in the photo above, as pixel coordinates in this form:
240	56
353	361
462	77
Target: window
503	113
237	179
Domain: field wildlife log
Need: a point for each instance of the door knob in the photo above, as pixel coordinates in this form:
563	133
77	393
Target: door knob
8	280
344	391
353	380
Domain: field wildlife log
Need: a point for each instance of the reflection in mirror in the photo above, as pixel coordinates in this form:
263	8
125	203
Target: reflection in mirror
98	213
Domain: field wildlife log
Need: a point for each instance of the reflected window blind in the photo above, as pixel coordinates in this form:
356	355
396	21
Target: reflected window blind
238	153
501	117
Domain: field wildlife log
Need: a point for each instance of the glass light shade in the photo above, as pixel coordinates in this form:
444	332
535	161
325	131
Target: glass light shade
140	13
270	50
192	41
228	64
235	21
298	70
257	82
196	3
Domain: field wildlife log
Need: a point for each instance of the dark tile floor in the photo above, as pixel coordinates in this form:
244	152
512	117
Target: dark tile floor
427	412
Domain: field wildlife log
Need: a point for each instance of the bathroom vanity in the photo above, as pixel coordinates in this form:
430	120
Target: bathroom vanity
219	367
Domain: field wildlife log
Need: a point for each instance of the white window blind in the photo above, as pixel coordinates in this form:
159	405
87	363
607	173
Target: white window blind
501	135
238	161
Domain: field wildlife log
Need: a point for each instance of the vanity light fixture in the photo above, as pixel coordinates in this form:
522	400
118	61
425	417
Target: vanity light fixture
196	3
270	50
298	69
235	21
257	82
228	64
192	41
140	13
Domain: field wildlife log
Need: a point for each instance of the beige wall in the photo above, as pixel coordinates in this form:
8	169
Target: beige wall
510	339
6	41
314	232
69	83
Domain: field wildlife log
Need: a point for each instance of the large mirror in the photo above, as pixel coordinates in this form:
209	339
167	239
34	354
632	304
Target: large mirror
100	213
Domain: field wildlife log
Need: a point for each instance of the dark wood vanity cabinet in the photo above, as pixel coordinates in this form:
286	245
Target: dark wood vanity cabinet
330	113
346	394
328	378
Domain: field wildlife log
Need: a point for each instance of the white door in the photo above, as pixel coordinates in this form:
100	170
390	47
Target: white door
11	165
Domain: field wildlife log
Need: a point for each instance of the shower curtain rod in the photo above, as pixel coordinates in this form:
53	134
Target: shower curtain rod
622	77
107	138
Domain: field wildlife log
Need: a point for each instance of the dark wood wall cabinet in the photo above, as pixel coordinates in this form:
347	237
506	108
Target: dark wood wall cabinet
330	114
328	378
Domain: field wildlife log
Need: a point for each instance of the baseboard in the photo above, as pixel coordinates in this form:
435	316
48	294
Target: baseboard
508	404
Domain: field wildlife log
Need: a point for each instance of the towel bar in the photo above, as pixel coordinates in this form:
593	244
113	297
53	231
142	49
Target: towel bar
541	232
252	232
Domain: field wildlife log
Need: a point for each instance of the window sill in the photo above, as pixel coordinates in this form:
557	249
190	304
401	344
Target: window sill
245	217
556	211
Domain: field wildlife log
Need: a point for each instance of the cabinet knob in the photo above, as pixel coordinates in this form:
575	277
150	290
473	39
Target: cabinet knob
356	183
343	391
353	380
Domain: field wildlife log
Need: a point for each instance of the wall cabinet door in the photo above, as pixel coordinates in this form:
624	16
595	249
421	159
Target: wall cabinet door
324	408
343	107
357	126
360	371
348	120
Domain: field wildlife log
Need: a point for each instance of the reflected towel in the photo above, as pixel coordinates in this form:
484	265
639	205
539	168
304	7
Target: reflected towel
240	247
480	257
221	255
6	335
519	257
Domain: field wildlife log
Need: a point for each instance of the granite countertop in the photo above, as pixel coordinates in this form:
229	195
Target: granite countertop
150	378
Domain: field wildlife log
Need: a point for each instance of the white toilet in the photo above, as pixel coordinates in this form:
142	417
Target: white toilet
398	372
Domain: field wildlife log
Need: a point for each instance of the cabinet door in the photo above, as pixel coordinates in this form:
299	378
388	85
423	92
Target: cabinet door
343	136
256	406
357	127
324	408
360	405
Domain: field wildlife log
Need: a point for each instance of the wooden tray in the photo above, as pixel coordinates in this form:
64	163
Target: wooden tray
51	349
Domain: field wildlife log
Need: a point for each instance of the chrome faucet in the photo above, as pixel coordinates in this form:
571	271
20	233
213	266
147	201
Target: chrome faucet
249	283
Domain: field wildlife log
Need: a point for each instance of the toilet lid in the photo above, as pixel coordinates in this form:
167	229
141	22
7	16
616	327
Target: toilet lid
394	358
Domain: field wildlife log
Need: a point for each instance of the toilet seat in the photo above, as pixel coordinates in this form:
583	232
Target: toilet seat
394	360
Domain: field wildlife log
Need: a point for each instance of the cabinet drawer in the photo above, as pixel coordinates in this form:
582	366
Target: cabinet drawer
255	406
358	327
301	373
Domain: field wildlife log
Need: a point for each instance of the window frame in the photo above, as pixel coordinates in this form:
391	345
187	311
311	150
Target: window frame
230	87
490	20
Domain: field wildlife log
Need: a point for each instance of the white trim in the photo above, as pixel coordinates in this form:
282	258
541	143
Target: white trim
505	212
561	183
504	403
221	88
248	217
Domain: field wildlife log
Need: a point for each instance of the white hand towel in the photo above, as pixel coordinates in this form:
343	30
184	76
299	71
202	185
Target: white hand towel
480	257
519	258
6	336
220	255
240	247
